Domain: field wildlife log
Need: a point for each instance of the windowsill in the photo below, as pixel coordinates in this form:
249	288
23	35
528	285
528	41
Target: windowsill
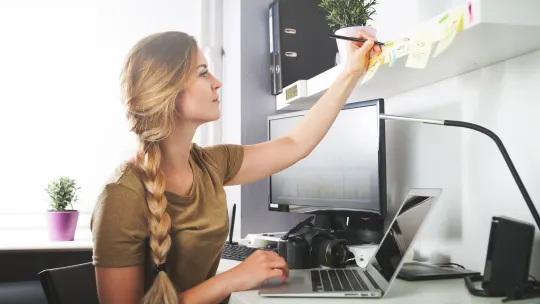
45	245
29	232
38	240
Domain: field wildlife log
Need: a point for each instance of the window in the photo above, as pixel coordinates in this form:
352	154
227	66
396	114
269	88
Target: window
60	101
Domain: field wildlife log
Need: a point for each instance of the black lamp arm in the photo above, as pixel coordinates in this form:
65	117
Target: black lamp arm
506	157
494	137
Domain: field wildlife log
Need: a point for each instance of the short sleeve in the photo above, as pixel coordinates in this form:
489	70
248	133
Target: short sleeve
119	227
228	158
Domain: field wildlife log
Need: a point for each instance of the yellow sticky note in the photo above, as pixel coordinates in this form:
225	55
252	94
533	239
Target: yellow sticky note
374	64
461	21
391	57
449	26
389	53
401	47
420	49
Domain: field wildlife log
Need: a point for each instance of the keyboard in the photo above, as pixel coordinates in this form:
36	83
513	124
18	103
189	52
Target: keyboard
237	252
337	280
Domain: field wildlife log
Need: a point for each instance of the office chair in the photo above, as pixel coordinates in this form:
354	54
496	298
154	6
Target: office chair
70	284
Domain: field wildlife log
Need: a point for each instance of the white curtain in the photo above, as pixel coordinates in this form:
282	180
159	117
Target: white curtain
211	44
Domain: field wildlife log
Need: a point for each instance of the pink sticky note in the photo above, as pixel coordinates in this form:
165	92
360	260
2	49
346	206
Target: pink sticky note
469	8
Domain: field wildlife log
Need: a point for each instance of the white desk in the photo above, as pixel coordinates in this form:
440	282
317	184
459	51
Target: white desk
429	292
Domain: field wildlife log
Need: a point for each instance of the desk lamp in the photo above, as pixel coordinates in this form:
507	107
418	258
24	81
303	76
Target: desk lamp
507	281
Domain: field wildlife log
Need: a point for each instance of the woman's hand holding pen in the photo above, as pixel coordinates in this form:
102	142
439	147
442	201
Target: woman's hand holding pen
361	52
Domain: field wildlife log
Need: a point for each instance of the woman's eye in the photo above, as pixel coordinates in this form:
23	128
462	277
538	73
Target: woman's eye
204	74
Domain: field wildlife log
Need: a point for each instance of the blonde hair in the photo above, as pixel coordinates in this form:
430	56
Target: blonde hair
156	71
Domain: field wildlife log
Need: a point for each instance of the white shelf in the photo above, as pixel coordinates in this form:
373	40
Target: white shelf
500	30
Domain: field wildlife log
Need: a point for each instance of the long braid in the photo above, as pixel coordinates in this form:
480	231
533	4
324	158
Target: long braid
156	71
162	290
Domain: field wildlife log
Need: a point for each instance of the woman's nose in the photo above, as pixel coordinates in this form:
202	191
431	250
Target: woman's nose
217	84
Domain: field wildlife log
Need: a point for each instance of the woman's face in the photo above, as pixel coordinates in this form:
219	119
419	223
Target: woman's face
199	102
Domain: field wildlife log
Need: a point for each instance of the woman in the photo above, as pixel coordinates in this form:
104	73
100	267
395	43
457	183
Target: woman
161	222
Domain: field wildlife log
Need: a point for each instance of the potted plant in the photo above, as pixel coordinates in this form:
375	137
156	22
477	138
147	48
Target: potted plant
348	17
62	217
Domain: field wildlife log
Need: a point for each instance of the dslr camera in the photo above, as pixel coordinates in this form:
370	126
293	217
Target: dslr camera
306	246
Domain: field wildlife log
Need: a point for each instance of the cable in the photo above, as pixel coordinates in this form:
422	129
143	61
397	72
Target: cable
530	291
450	265
298	227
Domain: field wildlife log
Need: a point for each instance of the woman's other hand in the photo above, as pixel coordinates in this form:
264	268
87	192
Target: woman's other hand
361	52
258	268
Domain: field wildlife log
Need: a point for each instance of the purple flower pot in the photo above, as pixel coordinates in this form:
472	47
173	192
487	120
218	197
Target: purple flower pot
62	225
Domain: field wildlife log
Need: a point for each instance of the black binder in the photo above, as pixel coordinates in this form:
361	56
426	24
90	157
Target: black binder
299	44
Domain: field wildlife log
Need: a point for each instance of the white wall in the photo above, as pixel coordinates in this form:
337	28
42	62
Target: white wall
60	101
231	108
211	42
467	165
393	16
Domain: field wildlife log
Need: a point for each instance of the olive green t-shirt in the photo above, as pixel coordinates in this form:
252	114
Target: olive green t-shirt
199	221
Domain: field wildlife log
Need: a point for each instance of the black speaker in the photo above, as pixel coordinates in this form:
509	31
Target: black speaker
508	259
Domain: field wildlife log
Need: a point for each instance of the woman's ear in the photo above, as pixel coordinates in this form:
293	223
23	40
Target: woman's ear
179	99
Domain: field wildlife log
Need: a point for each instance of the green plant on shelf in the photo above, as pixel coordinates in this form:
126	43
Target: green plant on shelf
347	13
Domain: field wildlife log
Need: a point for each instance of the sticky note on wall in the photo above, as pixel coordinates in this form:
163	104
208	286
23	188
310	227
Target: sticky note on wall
420	49
470	11
449	25
389	53
401	47
391	57
374	64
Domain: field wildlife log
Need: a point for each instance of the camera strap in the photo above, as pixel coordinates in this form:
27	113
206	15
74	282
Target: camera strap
299	226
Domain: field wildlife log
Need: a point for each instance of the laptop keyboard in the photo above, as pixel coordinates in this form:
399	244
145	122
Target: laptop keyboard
336	280
238	252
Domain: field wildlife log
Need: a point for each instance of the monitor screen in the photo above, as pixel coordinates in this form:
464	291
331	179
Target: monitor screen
343	173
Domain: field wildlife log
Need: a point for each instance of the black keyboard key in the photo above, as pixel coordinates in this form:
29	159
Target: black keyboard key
326	281
343	279
335	281
359	278
237	252
315	281
352	279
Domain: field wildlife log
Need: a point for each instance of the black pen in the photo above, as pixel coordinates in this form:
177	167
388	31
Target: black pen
353	39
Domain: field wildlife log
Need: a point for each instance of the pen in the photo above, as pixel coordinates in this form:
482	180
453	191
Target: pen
353	39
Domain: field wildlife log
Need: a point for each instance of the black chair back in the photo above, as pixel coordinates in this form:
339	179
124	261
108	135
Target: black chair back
70	284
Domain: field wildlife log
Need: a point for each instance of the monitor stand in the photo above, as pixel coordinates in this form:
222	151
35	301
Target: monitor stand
359	230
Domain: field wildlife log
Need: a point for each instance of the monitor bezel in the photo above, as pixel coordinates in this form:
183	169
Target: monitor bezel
379	214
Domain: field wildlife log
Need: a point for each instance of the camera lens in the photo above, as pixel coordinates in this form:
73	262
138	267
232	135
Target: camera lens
331	252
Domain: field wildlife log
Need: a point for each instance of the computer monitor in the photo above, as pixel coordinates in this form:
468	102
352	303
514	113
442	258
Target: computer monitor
344	177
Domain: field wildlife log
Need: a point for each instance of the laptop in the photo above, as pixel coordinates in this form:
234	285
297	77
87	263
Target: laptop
375	279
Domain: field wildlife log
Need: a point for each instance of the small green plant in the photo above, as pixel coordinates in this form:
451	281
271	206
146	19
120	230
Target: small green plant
63	193
347	13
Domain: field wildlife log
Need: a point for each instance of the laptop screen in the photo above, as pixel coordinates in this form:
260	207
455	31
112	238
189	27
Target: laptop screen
401	234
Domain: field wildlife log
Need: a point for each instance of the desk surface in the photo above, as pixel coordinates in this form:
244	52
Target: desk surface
439	291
